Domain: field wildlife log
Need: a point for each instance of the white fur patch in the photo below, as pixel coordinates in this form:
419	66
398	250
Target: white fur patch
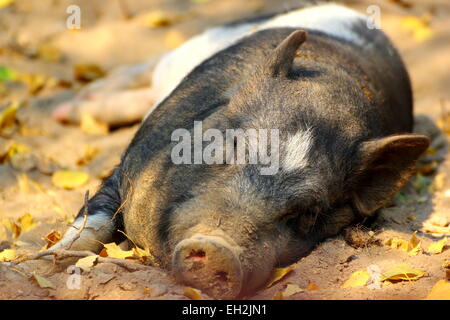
332	19
296	151
99	228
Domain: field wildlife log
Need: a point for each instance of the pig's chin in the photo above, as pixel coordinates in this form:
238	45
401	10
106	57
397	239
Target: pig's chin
214	265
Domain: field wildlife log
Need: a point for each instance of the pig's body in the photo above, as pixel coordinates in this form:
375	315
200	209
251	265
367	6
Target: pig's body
224	227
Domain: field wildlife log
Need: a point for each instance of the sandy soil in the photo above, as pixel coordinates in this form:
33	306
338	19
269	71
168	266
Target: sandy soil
109	39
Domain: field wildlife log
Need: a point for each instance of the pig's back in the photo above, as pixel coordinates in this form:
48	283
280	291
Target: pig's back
331	19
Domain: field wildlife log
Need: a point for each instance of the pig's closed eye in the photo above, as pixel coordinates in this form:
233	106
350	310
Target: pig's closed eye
289	214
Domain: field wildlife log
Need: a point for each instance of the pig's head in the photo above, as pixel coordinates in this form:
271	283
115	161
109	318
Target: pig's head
228	226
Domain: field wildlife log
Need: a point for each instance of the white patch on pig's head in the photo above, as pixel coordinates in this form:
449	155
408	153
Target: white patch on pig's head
296	151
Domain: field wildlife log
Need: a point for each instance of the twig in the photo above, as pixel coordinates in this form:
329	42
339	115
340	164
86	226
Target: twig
85	215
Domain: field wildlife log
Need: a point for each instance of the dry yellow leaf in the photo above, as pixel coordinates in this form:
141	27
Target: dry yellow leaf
192	293
414	245
155	19
34	82
312	287
17	148
437	246
87	72
440	291
401	272
5	3
48	52
357	279
7	255
418	26
87	263
90	152
8	115
397	243
446	264
114	251
291	289
50	239
67	179
278	295
43	282
278	274
92	126
26	222
12	227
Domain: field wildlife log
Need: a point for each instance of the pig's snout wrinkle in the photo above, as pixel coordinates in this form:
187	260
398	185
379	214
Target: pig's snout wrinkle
209	263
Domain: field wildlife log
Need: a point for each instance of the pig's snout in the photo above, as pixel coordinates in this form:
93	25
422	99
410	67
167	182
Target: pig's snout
209	263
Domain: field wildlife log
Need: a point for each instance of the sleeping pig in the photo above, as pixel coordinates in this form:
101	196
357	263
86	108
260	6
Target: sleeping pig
267	136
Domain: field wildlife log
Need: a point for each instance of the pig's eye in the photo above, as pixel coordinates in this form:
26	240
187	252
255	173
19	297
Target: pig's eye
289	214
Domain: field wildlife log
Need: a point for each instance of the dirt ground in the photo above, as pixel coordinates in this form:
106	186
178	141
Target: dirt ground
112	35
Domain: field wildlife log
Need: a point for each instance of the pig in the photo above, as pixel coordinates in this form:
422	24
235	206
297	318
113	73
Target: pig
339	97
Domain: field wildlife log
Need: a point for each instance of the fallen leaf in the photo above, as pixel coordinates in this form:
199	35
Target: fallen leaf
48	52
87	263
51	239
446	264
357	279
278	295
291	289
7	255
414	245
114	251
144	256
439	221
418	26
92	126
8	115
26	222
87	72
401	272
67	179
437	246
5	3
90	152
440	291
312	287
43	282
192	293
12	227
278	274
155	19
397	243
34	82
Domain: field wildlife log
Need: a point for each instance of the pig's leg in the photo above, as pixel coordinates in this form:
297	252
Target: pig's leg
123	107
124	96
103	220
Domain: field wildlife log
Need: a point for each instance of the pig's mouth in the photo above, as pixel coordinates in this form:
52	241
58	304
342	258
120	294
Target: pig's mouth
209	263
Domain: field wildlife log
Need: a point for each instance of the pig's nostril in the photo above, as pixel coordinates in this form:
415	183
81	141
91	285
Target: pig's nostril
196	255
208	263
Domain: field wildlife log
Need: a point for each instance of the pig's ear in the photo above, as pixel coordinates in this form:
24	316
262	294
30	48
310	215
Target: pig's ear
280	61
384	167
